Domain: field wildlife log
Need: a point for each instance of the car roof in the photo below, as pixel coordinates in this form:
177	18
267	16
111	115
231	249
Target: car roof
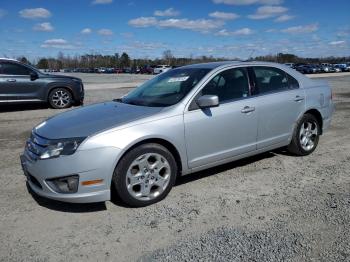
214	65
8	59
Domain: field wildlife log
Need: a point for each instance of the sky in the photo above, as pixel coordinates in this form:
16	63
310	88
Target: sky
145	29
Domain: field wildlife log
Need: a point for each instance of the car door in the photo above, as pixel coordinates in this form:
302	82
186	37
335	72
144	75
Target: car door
279	103
17	82
218	133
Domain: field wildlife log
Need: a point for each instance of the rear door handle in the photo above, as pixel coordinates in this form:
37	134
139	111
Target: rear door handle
11	80
247	109
298	98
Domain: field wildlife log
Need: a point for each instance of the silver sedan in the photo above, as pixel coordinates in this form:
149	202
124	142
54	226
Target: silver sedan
182	121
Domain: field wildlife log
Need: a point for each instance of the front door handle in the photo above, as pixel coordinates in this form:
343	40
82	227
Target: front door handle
298	98
247	109
11	80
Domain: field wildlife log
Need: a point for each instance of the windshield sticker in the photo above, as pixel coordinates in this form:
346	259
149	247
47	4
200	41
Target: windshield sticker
178	79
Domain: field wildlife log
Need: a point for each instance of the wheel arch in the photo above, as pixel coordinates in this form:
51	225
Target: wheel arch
317	114
168	145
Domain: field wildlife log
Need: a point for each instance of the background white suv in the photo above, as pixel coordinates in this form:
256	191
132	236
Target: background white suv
161	69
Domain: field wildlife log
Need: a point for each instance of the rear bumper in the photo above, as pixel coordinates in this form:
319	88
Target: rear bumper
326	124
327	120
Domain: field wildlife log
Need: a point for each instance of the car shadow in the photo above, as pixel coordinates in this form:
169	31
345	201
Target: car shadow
22	107
67	207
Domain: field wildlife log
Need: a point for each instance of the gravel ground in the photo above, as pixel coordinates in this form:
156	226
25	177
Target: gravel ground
271	207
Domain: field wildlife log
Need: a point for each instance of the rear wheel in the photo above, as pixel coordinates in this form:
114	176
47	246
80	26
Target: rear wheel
145	175
60	98
306	136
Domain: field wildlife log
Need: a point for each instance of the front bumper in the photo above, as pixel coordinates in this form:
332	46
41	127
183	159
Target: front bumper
95	164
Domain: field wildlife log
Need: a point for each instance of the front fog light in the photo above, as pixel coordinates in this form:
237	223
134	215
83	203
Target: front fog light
68	184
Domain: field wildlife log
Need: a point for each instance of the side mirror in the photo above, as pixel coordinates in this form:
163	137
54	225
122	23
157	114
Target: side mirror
33	76
207	101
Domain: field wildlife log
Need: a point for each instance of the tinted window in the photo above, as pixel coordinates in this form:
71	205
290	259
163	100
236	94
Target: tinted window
292	82
13	69
269	79
228	85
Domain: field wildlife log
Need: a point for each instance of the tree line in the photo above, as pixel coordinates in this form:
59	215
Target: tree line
124	61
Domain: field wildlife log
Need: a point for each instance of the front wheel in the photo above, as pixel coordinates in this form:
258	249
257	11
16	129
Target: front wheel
305	137
145	175
60	98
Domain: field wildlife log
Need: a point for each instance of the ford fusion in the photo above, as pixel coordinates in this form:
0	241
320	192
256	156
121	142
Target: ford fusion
182	121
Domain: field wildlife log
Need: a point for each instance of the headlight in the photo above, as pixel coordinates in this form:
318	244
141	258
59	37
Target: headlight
61	147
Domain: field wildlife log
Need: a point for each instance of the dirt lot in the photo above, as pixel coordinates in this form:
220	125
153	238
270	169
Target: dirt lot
271	207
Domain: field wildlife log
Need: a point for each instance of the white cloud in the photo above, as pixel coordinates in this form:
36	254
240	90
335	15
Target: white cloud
223	15
147	45
248	2
127	35
301	29
343	32
143	22
268	11
284	18
58	43
201	25
337	42
105	32
168	12
102	2
35	13
86	31
43	27
271	30
2	13
239	32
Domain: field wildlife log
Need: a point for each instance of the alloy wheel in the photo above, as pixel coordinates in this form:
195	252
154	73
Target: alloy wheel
308	134
61	98
148	176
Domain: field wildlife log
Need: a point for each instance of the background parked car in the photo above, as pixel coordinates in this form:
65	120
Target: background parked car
146	70
161	69
338	68
21	83
306	69
291	65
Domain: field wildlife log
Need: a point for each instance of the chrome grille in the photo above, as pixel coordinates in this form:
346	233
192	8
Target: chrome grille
35	146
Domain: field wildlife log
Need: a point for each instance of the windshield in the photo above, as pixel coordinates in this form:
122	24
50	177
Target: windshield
166	89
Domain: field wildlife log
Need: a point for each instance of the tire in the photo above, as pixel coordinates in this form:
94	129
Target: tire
60	98
145	175
305	136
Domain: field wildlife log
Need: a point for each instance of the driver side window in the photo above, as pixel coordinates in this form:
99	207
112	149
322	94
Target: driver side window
228	85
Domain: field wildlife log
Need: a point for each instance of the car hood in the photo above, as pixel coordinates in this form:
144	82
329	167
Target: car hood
60	77
92	119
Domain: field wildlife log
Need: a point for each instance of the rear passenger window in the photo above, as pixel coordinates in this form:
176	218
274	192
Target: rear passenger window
228	85
269	79
13	69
